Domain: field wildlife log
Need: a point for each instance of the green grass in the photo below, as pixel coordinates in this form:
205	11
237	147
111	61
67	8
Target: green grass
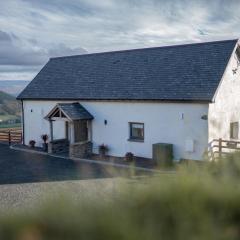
7	117
4	126
198	203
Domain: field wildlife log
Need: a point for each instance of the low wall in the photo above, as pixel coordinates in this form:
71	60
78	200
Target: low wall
58	146
80	149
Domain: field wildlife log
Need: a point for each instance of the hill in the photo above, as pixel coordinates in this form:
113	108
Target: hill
13	87
9	105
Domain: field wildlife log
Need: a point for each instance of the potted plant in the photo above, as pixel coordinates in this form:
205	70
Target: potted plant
129	156
103	149
45	145
32	143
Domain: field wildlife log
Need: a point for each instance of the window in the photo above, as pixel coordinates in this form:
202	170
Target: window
136	131
234	130
238	53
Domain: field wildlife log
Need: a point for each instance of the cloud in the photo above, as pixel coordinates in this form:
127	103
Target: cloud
33	31
62	50
13	52
4	37
22	60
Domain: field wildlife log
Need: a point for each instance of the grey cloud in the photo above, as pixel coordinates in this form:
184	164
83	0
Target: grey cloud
22	60
62	50
4	37
53	28
14	52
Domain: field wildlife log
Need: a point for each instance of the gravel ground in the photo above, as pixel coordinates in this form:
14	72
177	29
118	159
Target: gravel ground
30	179
28	195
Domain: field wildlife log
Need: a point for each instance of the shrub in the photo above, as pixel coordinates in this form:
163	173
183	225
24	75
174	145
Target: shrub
129	156
44	138
199	202
103	147
32	143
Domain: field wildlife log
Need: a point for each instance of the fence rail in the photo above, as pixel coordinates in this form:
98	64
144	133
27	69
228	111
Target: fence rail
219	148
11	136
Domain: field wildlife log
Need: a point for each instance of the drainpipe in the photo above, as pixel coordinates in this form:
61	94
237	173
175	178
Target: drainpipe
23	125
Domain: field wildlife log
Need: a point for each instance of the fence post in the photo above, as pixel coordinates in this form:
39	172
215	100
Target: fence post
220	148
9	138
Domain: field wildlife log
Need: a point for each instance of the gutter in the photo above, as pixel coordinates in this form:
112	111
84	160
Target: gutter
119	100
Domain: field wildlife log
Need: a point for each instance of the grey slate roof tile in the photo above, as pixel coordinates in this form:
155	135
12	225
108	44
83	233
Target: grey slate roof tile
190	72
75	111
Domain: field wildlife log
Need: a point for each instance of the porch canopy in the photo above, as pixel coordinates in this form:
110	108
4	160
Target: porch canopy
70	112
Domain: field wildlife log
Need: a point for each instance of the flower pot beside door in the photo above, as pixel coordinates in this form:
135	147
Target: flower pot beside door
45	144
103	149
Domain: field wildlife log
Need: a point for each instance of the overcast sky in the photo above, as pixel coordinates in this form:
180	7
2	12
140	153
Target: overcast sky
31	31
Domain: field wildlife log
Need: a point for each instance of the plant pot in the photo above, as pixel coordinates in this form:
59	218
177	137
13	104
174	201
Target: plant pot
32	143
45	147
102	153
129	157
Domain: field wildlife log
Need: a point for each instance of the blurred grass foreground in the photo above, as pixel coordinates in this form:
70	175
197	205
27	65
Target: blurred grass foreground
200	201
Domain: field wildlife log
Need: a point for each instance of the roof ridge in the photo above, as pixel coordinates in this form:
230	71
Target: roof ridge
147	48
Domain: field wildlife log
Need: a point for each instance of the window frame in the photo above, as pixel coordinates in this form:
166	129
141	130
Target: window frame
232	130
136	139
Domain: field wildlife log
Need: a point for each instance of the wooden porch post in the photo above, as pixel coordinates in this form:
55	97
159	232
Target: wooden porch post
51	129
89	126
67	130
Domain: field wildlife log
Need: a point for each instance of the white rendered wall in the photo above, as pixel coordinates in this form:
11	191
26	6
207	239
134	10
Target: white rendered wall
173	123
226	107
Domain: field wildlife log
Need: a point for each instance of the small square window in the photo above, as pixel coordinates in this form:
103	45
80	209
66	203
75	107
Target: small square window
234	129
136	131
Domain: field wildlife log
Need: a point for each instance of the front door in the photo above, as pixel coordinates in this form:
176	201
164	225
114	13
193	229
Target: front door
80	130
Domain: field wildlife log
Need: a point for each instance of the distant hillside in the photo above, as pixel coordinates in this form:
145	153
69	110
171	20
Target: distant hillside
8	104
13	87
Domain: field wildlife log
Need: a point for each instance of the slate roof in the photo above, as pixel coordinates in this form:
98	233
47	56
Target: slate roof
190	72
74	111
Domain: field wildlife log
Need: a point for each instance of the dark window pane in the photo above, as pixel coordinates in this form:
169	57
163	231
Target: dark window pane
137	131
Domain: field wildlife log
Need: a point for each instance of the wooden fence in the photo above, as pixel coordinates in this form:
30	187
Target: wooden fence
10	136
219	148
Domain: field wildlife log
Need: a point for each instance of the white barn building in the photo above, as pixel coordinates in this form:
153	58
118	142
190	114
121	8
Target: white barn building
185	95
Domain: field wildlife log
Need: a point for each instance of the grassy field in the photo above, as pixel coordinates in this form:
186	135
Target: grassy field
7	125
200	202
10	126
7	117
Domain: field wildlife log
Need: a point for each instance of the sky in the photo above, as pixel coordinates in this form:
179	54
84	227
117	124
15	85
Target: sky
32	31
